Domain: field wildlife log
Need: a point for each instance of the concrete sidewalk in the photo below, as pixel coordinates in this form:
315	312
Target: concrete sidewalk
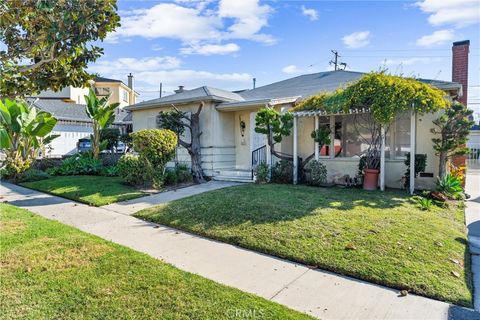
321	294
135	205
472	220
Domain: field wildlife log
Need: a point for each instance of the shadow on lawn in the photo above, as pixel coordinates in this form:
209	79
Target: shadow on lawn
259	204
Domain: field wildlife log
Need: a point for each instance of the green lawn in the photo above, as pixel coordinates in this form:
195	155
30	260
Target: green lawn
380	237
52	271
92	190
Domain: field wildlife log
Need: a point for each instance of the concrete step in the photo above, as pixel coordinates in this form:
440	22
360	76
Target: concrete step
233	173
233	178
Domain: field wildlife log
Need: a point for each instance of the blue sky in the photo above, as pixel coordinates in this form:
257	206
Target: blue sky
228	42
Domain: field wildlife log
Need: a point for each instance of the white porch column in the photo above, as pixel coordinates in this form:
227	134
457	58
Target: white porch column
332	137
413	127
295	150
382	158
317	125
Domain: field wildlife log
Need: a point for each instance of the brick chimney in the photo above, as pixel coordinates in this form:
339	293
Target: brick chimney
460	50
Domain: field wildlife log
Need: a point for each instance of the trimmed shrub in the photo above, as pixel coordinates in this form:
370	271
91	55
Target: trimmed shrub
316	173
135	170
261	173
282	172
32	175
156	145
79	164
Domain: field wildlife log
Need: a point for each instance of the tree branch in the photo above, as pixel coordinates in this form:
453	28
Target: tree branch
44	60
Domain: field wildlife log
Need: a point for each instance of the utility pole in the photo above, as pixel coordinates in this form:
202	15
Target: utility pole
335	61
160	91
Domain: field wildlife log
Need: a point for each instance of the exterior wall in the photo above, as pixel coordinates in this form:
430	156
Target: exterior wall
117	90
217	140
67	142
71	93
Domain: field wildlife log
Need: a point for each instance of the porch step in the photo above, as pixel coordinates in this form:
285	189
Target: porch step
233	175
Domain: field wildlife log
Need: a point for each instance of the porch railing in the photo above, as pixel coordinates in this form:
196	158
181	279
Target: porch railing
259	155
474	152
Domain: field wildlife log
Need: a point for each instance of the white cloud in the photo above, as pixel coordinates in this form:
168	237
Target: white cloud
459	13
249	18
211	49
198	24
410	61
291	69
436	38
149	72
126	65
312	14
357	39
168	20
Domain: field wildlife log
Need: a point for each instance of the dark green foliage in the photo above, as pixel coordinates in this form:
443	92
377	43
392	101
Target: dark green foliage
172	120
50	43
135	170
452	129
321	135
111	135
274	124
450	186
420	166
32	175
316	173
261	173
179	174
111	171
282	172
80	164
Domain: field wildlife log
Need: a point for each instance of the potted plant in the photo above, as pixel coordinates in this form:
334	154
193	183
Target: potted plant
368	132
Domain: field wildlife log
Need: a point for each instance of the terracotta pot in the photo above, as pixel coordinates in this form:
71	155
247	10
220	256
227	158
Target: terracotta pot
370	179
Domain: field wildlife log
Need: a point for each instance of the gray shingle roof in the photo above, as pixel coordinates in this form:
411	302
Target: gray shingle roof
197	94
103	79
73	111
310	84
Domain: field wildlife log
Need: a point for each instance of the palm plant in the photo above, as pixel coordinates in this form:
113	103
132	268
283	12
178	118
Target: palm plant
24	131
102	115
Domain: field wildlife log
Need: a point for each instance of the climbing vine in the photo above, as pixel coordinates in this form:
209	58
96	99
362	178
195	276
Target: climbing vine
384	95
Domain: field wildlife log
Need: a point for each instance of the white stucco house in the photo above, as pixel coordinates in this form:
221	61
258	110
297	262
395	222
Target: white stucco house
230	145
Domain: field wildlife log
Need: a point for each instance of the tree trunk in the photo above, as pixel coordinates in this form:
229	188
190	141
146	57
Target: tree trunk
442	171
195	148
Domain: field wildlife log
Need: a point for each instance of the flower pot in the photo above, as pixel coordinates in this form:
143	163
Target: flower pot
370	179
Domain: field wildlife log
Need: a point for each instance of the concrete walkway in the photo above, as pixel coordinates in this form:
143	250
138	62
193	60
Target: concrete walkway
315	292
131	206
472	220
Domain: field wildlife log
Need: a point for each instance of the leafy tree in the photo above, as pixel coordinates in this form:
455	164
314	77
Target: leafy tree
453	127
48	42
24	131
178	121
102	115
275	125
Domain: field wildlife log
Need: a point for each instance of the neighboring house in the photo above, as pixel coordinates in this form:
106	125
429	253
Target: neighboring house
230	143
68	106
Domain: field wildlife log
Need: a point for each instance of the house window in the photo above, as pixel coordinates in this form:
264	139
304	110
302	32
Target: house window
353	135
401	134
125	96
102	91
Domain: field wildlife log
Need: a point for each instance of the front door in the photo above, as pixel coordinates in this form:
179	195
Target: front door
257	140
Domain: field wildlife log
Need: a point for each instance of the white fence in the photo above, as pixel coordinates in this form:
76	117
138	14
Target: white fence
474	152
